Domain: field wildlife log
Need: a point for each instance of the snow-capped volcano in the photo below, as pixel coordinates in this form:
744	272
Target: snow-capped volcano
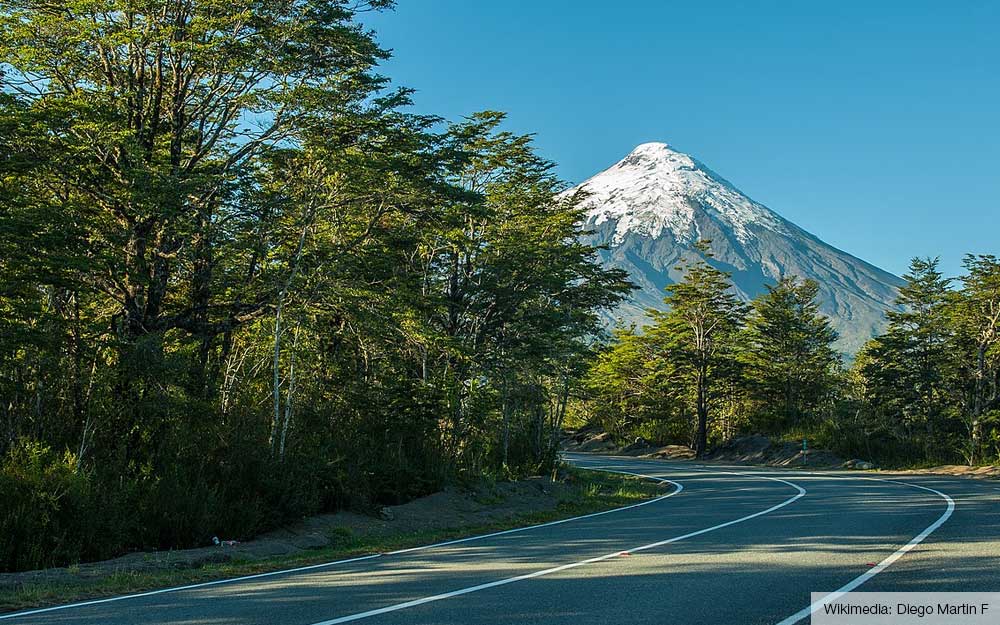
652	206
650	191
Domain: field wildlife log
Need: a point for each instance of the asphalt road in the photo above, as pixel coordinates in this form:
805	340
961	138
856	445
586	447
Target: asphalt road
729	545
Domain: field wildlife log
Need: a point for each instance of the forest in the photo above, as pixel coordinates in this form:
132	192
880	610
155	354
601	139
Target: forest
924	392
241	283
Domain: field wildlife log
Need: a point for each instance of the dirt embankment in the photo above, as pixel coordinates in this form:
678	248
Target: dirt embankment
754	449
757	449
450	509
989	472
593	439
588	439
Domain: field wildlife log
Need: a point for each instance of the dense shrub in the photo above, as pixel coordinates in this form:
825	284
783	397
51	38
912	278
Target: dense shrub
45	513
53	514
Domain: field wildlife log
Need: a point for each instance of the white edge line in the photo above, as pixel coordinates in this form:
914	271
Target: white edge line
676	490
509	580
881	566
311	567
187	587
884	564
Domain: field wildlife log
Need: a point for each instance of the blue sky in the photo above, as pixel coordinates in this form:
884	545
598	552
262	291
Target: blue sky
874	125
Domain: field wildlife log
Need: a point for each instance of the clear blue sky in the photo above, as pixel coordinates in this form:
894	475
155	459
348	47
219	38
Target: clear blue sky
874	125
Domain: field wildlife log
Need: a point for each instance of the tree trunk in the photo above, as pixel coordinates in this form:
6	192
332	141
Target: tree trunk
977	404
276	365
701	442
276	374
289	396
506	420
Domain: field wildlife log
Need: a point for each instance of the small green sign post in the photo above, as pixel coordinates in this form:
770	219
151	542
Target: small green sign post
805	450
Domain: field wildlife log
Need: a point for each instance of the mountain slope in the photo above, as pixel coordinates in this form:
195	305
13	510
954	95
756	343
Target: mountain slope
653	205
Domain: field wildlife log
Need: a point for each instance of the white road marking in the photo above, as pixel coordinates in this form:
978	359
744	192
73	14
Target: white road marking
788	621
678	488
188	587
659	480
881	566
510	580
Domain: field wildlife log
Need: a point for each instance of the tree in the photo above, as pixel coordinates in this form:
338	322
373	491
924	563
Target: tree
976	315
700	328
633	390
148	129
516	292
908	369
145	138
787	352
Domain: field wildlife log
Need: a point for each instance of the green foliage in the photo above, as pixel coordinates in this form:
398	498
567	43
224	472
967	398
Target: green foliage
788	360
927	391
44	498
700	333
974	313
242	285
668	383
632	390
907	382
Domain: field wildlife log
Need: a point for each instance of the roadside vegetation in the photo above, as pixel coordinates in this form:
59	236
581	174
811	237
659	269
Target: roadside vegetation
581	492
241	284
925	392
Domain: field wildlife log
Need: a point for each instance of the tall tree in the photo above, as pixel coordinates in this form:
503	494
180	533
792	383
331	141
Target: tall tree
788	352
701	327
907	369
143	124
976	314
144	117
516	290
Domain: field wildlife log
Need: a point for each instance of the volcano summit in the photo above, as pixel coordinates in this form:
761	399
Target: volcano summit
651	207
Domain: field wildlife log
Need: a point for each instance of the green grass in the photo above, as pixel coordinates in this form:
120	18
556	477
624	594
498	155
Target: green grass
591	491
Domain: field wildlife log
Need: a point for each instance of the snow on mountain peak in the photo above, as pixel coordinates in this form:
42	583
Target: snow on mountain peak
656	189
645	212
652	147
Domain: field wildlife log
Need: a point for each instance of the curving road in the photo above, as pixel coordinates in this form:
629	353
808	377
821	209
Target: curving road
723	545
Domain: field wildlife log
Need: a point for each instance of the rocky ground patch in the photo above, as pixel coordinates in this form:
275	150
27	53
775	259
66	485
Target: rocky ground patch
757	449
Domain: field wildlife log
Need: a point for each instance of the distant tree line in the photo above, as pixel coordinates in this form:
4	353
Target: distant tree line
239	283
712	368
